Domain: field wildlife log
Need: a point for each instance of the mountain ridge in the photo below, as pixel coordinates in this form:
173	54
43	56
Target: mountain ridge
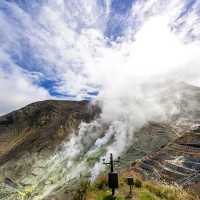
33	123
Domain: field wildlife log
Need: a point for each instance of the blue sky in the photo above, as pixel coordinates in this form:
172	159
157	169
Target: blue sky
69	49
24	57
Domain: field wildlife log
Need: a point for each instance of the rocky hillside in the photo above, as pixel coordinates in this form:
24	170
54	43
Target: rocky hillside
40	126
35	131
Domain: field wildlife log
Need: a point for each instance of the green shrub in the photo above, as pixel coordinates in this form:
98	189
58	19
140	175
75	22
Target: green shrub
110	197
138	183
146	195
105	195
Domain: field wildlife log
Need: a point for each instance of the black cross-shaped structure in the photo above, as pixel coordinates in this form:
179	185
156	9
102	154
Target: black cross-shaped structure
112	176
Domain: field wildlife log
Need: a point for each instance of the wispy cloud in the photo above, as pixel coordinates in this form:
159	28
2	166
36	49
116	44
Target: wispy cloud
17	86
70	43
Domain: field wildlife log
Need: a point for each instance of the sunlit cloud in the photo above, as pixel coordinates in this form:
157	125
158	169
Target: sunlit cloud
75	45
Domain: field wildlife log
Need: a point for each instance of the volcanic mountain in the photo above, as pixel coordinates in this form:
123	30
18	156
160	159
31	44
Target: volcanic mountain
38	159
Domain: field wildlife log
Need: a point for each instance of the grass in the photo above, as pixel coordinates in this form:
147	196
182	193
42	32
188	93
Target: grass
168	192
102	195
144	194
143	190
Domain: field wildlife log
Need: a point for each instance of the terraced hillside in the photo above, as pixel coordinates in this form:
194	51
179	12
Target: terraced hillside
178	162
152	136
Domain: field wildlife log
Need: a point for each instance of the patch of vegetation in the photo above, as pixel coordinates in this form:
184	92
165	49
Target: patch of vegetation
109	197
138	183
142	190
103	195
168	192
146	195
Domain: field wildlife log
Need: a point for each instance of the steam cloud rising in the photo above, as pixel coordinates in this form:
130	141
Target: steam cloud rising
70	49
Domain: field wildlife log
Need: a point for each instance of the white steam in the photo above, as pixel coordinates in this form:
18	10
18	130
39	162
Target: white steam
159	45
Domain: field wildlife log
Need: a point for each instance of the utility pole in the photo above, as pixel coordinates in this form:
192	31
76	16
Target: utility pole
111	170
111	163
112	176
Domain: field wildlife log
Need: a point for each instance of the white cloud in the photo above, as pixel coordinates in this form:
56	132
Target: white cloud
17	88
67	40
